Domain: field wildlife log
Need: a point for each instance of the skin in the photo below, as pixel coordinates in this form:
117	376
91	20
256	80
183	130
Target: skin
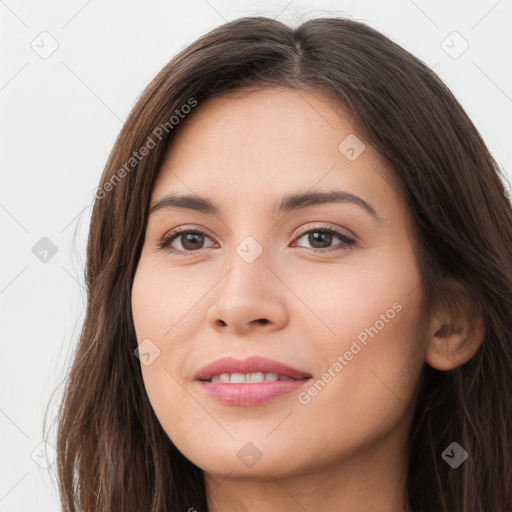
345	449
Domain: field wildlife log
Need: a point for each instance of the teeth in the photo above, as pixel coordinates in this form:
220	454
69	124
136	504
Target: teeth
236	378
254	377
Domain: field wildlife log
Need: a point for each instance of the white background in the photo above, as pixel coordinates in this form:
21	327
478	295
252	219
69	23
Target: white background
59	119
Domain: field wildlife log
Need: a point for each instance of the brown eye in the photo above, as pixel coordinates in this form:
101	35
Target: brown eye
320	239
189	240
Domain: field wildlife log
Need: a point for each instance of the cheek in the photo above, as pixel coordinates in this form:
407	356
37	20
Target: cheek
368	385
163	328
372	347
145	298
158	301
362	298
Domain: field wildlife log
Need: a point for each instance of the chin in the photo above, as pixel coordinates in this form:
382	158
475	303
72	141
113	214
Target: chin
243	460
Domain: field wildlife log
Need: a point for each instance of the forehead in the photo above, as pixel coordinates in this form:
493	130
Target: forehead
258	144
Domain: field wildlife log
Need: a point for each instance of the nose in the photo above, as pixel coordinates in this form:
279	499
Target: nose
248	297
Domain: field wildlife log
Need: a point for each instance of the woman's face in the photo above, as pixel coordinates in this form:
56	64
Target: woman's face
345	309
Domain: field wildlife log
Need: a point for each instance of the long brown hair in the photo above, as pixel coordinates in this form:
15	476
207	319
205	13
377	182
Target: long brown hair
113	454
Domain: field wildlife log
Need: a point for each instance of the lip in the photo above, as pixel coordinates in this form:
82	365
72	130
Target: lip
250	365
250	393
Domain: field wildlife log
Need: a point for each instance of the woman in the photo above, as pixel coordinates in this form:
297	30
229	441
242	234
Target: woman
299	289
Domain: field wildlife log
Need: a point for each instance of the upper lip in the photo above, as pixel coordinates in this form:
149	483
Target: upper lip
250	365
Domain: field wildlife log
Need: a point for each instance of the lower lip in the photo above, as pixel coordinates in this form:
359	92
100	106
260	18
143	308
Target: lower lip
253	393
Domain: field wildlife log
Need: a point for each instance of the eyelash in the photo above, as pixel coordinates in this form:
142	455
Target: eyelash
347	241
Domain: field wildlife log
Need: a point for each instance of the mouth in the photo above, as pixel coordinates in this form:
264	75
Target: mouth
252	369
249	378
248	382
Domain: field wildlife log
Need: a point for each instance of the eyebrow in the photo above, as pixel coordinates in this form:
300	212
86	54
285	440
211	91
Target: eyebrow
287	204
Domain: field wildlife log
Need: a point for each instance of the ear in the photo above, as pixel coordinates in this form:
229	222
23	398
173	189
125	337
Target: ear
455	332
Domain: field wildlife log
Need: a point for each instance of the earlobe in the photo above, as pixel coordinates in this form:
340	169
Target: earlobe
455	334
